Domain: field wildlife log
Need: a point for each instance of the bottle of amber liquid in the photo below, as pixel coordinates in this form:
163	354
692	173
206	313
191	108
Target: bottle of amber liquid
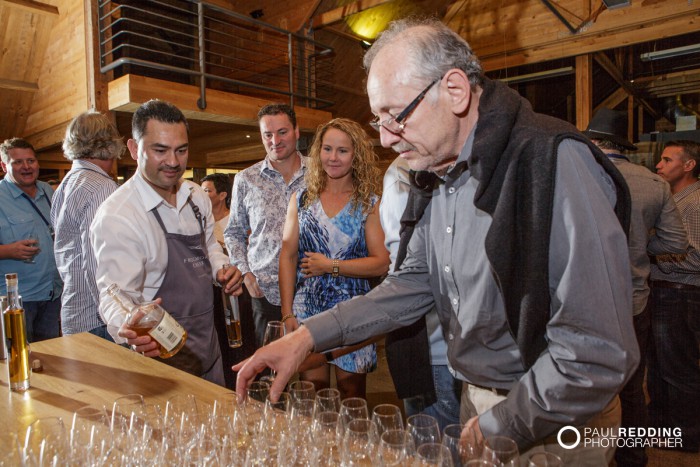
16	336
150	318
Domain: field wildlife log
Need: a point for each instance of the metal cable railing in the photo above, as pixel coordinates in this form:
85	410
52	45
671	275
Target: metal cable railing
198	43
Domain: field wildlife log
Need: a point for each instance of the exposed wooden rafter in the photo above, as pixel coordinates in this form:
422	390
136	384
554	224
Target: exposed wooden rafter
616	74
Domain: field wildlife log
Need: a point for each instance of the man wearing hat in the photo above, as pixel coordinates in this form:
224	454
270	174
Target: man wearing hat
656	228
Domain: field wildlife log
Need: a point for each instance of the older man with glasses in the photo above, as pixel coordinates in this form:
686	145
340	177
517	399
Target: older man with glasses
513	236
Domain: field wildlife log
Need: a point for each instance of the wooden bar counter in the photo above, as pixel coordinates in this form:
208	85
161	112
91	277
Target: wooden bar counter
85	370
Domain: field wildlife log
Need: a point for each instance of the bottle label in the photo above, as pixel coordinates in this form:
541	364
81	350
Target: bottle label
168	333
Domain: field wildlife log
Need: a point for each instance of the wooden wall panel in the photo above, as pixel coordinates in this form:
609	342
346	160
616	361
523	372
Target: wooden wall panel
24	36
63	90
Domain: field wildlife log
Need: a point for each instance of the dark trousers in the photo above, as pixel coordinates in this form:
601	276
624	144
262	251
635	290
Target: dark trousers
101	331
263	313
673	380
231	356
43	319
633	405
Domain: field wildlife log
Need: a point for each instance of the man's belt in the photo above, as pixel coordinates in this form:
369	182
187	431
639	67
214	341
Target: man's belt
497	391
673	285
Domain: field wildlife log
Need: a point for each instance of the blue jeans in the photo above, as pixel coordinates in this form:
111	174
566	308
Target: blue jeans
43	319
673	380
448	391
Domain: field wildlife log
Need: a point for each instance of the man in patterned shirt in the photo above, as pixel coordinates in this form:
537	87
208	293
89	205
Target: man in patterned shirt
674	375
92	143
259	203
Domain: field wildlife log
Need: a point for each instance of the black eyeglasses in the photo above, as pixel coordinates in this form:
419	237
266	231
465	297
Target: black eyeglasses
398	123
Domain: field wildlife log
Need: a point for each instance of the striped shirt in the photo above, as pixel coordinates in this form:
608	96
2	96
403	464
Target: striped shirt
684	269
75	202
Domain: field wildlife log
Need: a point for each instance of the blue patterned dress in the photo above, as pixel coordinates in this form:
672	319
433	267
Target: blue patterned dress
341	237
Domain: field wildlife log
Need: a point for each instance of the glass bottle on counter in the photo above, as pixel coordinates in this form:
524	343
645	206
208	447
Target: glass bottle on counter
150	318
16	336
3	343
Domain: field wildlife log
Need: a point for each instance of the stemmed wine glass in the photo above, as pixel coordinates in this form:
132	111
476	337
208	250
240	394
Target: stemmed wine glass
430	454
395	448
386	417
275	330
502	451
462	451
423	428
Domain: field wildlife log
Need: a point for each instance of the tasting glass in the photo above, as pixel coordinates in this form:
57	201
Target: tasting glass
275	426
302	390
90	425
327	400
502	451
47	442
544	459
34	237
395	448
122	408
461	450
352	408
430	454
325	433
423	428
274	330
181	421
254	405
386	417
359	445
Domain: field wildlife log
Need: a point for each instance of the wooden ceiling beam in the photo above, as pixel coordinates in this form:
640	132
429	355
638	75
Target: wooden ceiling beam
616	74
338	14
613	100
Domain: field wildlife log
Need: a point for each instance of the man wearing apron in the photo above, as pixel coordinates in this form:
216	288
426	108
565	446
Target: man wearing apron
154	238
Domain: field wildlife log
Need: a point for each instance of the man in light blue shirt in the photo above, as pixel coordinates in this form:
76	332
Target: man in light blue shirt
26	239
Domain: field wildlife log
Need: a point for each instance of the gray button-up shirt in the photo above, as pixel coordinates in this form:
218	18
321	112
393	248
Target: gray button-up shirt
655	226
259	207
592	346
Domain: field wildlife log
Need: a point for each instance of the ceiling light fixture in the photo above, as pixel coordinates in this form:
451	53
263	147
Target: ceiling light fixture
669	53
568	70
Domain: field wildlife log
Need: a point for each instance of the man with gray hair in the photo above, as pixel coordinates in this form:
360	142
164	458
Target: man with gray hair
26	239
92	143
514	239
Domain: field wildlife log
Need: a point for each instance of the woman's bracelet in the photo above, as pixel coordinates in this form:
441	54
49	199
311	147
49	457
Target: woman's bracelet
287	316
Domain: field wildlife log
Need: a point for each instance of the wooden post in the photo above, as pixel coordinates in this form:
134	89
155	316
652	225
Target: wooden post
584	90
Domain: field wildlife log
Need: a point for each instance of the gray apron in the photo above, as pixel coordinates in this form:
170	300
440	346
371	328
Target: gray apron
187	295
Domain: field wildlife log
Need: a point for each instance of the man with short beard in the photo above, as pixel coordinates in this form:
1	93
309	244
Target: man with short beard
154	238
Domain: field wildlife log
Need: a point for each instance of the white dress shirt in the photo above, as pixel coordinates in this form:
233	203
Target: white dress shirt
130	246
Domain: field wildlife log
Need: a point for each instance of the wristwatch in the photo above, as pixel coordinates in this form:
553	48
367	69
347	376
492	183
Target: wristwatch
335	271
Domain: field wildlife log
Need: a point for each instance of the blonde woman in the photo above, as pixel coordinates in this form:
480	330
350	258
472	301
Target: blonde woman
333	242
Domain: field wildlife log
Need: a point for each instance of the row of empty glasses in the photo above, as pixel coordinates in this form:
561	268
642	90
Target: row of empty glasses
303	428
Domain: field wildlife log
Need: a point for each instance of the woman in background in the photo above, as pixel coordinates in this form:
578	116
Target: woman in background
333	242
218	187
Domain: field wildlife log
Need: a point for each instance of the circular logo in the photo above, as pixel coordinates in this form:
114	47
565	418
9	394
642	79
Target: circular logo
572	445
